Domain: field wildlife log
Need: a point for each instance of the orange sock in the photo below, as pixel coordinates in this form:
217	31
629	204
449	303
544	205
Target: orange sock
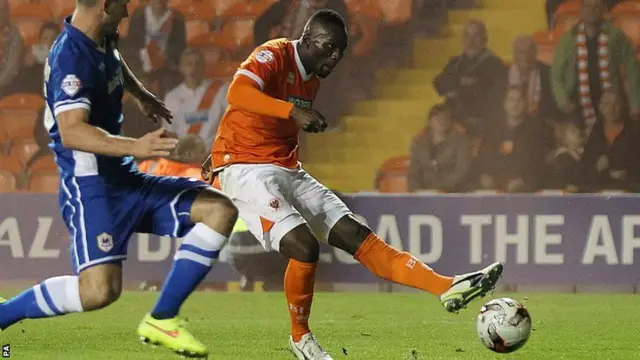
400	267
299	281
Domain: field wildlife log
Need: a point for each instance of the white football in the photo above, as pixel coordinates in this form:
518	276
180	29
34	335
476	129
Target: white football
503	325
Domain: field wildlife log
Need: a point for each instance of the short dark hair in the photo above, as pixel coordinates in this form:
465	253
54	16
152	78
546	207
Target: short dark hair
49	26
325	17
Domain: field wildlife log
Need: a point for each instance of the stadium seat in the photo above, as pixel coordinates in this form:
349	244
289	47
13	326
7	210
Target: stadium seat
367	17
11	164
7	182
392	176
197	28
546	41
44	183
240	32
567	15
22	101
44	164
201	10
221	6
396	12
62	8
222	69
626	16
34	10
124	27
18	123
24	150
246	9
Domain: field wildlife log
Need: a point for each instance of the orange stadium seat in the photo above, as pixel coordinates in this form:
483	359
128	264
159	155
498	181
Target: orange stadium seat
392	176
124	27
367	16
7	182
22	101
24	150
246	9
396	12
546	41
239	32
18	123
11	164
221	6
62	8
44	164
567	14
196	28
626	16
44	183
201	10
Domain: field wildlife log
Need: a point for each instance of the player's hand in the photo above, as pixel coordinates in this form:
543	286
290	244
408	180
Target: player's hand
154	108
158	143
205	169
309	120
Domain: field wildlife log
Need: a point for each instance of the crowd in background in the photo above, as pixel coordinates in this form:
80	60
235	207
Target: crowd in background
526	126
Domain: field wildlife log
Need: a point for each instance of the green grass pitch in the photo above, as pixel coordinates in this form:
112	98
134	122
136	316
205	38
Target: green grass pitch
351	326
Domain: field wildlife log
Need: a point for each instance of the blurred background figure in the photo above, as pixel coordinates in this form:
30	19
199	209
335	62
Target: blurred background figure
11	50
440	155
197	104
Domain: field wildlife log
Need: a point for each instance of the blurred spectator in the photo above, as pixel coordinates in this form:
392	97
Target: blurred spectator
197	104
474	82
564	160
590	59
185	161
11	50
286	18
135	123
440	155
513	158
249	258
610	156
552	5
533	76
156	37
30	78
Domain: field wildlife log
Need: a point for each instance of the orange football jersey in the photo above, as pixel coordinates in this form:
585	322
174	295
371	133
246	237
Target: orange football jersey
248	138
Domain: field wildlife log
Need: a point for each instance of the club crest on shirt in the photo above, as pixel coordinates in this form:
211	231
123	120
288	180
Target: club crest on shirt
105	242
71	84
301	103
265	56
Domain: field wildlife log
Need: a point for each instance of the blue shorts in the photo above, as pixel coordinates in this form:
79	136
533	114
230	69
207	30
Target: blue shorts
101	218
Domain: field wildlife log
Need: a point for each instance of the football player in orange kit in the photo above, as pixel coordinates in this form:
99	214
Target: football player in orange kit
255	160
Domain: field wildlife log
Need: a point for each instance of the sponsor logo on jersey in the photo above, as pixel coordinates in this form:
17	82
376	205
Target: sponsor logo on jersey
301	103
71	84
265	56
116	80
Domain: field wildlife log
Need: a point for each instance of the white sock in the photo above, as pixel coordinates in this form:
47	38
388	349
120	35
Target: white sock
62	292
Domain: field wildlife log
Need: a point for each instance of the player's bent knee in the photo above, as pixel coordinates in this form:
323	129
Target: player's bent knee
348	234
301	245
215	210
100	286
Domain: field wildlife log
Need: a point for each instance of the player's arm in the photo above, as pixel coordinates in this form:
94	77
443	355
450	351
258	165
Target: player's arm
245	94
246	91
131	83
77	134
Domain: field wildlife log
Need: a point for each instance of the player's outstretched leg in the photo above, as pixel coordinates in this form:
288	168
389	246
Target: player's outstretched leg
303	251
94	288
214	215
403	268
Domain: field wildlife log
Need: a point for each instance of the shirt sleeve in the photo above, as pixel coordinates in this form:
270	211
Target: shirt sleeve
72	80
262	65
